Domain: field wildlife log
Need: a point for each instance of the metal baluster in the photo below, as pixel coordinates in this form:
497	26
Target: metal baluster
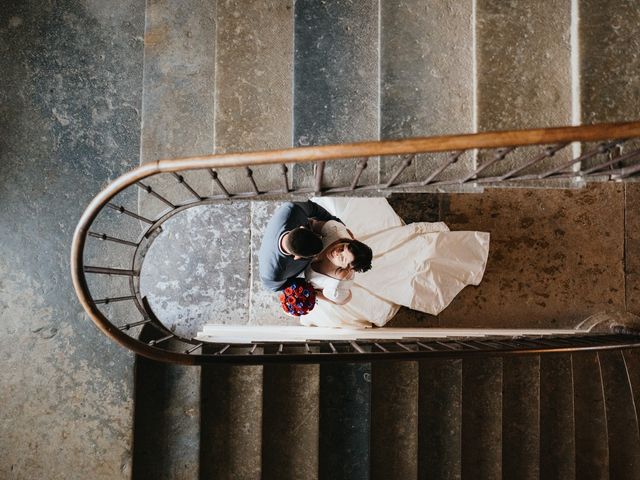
107	301
160	340
224	349
280	349
408	161
319	173
627	172
155	194
183	182
622	158
214	176
380	347
548	153
424	345
500	155
404	347
285	180
193	349
362	164
253	349
121	209
252	180
356	347
453	158
134	324
110	271
602	148
103	236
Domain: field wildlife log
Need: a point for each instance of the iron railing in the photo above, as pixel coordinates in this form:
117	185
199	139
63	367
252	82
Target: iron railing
606	152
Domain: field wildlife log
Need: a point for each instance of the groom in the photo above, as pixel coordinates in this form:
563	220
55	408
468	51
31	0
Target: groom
290	242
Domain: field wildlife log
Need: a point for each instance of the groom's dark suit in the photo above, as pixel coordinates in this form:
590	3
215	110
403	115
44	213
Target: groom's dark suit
276	267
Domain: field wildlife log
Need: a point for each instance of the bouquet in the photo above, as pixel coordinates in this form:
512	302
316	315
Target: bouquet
298	298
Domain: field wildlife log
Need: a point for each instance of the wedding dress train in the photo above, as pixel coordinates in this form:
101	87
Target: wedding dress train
422	265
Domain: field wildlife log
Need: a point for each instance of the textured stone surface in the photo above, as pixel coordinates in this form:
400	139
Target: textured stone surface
632	247
345	412
521	417
394	420
592	450
231	430
197	270
440	419
482	418
426	78
609	61
557	429
336	81
70	96
254	83
524	68
624	442
166	421
290	422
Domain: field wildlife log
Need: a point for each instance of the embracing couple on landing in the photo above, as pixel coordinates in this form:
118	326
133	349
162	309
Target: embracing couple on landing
363	262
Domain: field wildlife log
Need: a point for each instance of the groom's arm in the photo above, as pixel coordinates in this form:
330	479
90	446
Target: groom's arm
312	209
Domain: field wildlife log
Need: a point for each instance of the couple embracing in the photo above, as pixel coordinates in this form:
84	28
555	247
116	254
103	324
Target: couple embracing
363	262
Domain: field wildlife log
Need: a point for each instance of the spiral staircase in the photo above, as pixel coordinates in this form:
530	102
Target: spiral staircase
373	107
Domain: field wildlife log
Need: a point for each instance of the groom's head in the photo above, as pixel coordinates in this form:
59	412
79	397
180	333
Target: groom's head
302	243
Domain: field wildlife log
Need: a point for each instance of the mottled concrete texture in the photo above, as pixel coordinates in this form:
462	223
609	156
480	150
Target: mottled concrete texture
336	81
440	419
609	60
592	447
290	421
70	94
197	270
394	420
426	78
632	247
524	68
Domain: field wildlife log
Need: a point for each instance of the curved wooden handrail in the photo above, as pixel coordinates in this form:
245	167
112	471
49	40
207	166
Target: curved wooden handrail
560	135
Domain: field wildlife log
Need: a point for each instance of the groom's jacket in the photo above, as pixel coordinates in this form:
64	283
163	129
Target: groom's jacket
276	266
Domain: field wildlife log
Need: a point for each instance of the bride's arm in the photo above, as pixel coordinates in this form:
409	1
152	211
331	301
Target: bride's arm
342	301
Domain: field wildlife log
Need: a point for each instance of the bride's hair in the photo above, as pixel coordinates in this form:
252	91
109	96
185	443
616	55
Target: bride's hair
362	255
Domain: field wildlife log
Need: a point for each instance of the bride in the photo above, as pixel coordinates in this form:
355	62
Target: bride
422	265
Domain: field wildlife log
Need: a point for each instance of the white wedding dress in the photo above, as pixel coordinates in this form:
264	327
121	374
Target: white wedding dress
422	265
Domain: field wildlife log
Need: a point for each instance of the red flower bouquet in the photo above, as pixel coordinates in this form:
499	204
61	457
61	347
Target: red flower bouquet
298	298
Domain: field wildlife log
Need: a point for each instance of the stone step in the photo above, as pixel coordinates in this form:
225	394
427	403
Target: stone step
426	79
440	419
166	426
521	417
394	420
557	429
345	413
524	77
336	82
231	438
482	418
622	418
592	449
290	423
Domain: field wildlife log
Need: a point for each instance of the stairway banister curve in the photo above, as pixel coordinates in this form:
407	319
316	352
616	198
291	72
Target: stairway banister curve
559	135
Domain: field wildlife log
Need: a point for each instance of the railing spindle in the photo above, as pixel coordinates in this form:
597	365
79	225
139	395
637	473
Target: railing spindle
499	155
155	194
184	183
216	179
362	164
453	158
123	210
319	173
110	271
103	236
107	301
252	180
134	324
405	164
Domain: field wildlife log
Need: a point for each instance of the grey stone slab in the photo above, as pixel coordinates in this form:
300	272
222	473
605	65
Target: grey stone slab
197	270
265	306
609	60
166	421
632	243
521	417
345	412
336	82
394	420
290	424
592	449
482	418
622	420
254	83
524	70
69	122
231	430
440	419
426	79
557	429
